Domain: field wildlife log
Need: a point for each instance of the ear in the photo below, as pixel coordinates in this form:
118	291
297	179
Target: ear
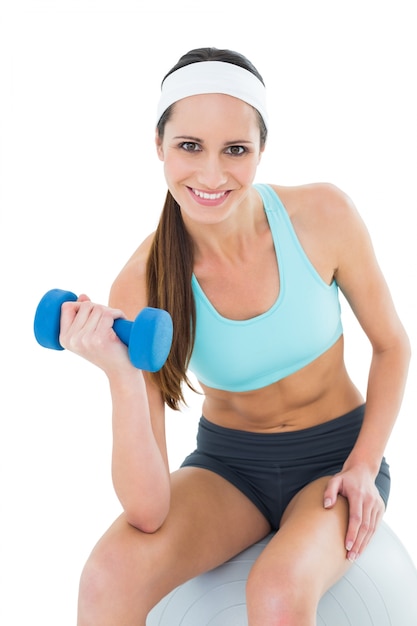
159	149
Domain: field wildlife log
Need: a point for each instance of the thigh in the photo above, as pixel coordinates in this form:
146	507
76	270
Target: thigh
309	547
209	521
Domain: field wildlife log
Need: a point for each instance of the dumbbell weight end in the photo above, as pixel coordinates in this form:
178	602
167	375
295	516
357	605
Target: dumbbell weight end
48	317
148	338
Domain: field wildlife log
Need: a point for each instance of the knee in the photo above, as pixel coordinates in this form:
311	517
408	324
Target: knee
280	595
100	579
96	579
112	583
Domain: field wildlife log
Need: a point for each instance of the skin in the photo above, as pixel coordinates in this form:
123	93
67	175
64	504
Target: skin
211	144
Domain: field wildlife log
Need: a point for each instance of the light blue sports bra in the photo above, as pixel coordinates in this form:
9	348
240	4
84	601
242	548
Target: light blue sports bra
303	323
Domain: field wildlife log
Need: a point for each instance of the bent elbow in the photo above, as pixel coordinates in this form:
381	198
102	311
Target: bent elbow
147	521
406	347
149	527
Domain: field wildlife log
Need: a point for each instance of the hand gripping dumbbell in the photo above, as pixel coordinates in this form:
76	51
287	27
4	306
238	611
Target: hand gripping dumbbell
148	338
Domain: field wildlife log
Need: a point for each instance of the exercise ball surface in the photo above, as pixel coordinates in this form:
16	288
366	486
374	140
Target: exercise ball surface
380	589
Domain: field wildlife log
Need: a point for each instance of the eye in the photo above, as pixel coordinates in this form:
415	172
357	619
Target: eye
190	146
236	150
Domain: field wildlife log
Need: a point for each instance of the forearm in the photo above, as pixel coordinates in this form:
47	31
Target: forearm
139	471
387	378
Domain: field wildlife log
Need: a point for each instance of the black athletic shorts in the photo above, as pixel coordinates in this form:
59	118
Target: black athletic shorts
271	468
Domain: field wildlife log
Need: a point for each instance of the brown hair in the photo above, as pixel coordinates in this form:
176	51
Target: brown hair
171	258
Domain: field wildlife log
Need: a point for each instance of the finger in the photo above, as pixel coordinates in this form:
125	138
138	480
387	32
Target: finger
69	312
362	524
75	314
368	528
106	321
354	525
87	324
360	542
83	298
331	492
77	318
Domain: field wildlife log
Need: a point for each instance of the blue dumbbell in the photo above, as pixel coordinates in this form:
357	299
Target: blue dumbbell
148	338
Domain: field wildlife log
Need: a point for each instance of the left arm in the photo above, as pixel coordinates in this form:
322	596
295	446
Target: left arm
361	281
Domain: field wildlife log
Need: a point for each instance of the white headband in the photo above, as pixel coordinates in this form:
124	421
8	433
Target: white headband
213	77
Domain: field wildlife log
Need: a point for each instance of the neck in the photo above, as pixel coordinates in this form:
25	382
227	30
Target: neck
233	237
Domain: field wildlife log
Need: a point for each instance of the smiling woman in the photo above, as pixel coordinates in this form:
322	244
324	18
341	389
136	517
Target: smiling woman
212	165
251	275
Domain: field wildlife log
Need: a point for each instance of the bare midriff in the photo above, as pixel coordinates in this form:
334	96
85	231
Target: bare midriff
318	393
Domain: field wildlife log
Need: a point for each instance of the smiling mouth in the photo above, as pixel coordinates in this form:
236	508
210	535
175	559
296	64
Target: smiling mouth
209	196
206	197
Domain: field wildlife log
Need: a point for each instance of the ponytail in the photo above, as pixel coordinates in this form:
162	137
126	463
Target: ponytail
169	272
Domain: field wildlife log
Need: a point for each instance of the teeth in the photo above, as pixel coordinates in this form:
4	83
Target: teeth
208	196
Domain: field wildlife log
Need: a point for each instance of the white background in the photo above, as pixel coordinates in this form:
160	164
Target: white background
81	187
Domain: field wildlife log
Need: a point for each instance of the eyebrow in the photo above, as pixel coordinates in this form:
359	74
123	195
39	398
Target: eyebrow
227	143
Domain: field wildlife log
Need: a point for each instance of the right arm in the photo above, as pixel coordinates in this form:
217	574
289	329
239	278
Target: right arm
139	458
140	462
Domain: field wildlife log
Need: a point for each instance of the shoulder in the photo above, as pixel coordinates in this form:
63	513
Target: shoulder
327	224
323	199
322	208
128	291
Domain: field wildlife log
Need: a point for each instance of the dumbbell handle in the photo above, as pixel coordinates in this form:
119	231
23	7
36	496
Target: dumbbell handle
148	338
123	329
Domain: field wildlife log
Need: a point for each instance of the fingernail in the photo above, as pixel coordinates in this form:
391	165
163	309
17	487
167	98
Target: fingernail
349	546
327	503
352	556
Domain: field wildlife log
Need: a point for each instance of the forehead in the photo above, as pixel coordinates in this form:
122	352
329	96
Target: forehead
215	110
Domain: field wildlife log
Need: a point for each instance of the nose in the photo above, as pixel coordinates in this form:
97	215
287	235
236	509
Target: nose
212	173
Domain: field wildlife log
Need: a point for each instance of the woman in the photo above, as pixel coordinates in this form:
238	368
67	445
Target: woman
250	275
